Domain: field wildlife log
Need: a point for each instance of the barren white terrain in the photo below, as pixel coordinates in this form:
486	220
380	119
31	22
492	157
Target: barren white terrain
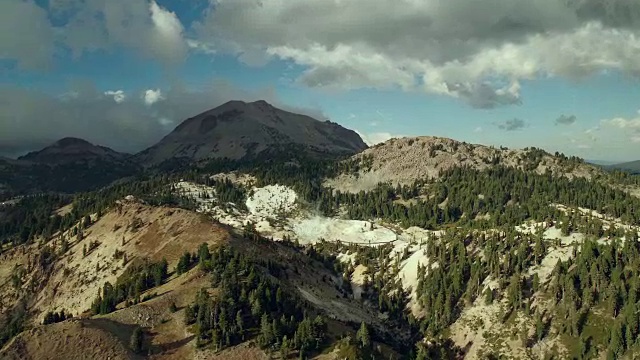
275	212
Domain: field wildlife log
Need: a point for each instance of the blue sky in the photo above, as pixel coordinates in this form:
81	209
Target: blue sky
124	74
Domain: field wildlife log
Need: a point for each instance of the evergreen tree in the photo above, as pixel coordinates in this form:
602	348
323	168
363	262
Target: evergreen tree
136	341
363	337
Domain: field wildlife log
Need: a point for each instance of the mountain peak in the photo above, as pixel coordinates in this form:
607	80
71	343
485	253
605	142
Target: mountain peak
71	149
71	141
237	129
261	103
240	105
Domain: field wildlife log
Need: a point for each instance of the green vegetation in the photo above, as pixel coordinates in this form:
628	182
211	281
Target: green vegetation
590	300
86	176
136	341
130	285
55	317
248	304
12	322
509	196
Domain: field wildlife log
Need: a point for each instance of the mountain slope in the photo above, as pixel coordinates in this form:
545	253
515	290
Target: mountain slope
236	130
72	272
403	161
69	165
70	150
631	166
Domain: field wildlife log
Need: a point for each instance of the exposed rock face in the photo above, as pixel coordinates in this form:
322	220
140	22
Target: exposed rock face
237	129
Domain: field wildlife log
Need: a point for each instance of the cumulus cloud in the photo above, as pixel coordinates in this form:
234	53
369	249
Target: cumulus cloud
118	95
511	124
624	127
88	25
566	120
167	35
201	47
152	96
622	123
31	119
376	138
25	34
478	52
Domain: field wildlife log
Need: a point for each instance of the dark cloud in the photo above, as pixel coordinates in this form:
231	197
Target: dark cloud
484	96
83	26
30	119
415	45
566	120
511	124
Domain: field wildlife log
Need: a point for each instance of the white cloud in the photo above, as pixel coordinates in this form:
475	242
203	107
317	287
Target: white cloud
622	123
478	52
201	47
168	35
478	129
376	137
152	96
88	25
623	127
118	95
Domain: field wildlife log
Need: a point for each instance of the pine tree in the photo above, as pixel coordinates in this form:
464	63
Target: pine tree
203	254
363	337
488	299
539	326
616	344
266	331
285	347
135	343
240	323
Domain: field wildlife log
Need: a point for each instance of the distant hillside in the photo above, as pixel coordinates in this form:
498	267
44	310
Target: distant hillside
631	166
405	160
70	150
600	162
69	165
237	130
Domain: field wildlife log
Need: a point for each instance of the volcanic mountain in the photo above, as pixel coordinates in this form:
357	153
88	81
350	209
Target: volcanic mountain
69	150
69	165
237	129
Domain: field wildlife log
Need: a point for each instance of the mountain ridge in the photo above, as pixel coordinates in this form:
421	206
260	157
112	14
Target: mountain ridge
405	160
72	149
630	166
237	129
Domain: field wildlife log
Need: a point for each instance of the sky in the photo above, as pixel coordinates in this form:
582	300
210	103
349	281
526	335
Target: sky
556	74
